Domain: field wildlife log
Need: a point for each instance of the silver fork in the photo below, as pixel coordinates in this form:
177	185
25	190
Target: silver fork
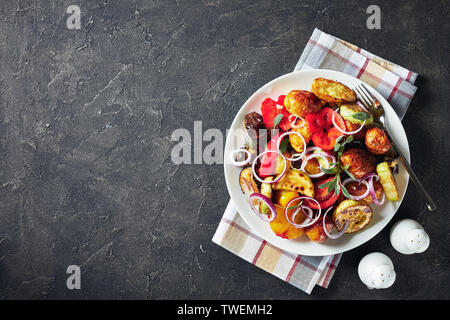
374	106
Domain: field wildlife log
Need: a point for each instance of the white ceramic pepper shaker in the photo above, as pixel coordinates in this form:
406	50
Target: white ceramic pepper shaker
408	236
376	271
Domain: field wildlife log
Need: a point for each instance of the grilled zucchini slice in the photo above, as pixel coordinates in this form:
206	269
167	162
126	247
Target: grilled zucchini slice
387	181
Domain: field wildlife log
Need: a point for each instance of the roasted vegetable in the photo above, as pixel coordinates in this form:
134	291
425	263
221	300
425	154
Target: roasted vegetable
332	91
282	228
354	211
354	113
302	102
296	142
254	124
356	189
360	162
266	189
248	185
376	141
295	180
316	233
388	181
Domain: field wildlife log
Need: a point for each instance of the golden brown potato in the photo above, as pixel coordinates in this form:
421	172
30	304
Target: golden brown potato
332	91
376	141
360	162
354	211
353	127
356	189
296	142
302	102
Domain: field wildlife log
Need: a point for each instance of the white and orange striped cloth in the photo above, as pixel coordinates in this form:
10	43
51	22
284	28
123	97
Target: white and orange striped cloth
393	82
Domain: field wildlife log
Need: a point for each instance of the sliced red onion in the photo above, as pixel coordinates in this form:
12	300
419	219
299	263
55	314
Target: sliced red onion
333	235
372	190
280	138
309	157
309	221
294	120
240	163
347	132
269	204
365	194
279	176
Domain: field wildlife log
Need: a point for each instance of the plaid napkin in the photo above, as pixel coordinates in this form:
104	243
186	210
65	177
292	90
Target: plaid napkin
394	83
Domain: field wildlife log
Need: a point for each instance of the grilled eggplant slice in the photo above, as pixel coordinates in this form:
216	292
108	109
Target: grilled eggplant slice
295	180
354	211
248	185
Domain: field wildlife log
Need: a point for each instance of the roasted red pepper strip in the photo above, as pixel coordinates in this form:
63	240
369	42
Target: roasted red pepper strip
324	134
270	111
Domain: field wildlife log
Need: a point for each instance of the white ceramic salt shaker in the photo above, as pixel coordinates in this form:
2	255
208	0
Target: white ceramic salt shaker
408	236
376	271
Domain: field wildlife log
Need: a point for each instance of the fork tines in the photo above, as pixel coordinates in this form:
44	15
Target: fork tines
367	98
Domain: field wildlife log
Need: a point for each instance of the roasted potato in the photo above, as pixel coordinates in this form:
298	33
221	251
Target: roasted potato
248	185
360	162
353	127
296	142
295	180
354	211
356	189
376	141
332	91
302	102
266	189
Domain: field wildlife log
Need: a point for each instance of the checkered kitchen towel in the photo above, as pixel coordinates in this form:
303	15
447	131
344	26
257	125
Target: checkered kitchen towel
393	82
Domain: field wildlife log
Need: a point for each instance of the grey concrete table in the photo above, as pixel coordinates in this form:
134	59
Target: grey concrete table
86	118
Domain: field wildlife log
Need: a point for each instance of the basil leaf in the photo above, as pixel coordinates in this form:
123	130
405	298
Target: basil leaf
277	120
361	116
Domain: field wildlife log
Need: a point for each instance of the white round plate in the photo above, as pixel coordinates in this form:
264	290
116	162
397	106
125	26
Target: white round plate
236	137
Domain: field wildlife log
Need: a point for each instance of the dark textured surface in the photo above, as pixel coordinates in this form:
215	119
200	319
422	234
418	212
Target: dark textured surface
85	123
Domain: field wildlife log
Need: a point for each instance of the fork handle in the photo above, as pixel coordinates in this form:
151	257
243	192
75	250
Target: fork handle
429	203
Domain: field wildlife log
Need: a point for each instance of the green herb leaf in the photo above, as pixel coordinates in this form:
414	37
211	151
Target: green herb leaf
277	120
328	184
361	116
333	170
296	206
347	172
349	139
345	191
284	144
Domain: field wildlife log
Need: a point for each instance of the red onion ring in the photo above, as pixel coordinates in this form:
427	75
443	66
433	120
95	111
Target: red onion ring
296	126
309	157
333	235
269	204
289	133
279	176
372	191
304	224
240	163
347	132
365	194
